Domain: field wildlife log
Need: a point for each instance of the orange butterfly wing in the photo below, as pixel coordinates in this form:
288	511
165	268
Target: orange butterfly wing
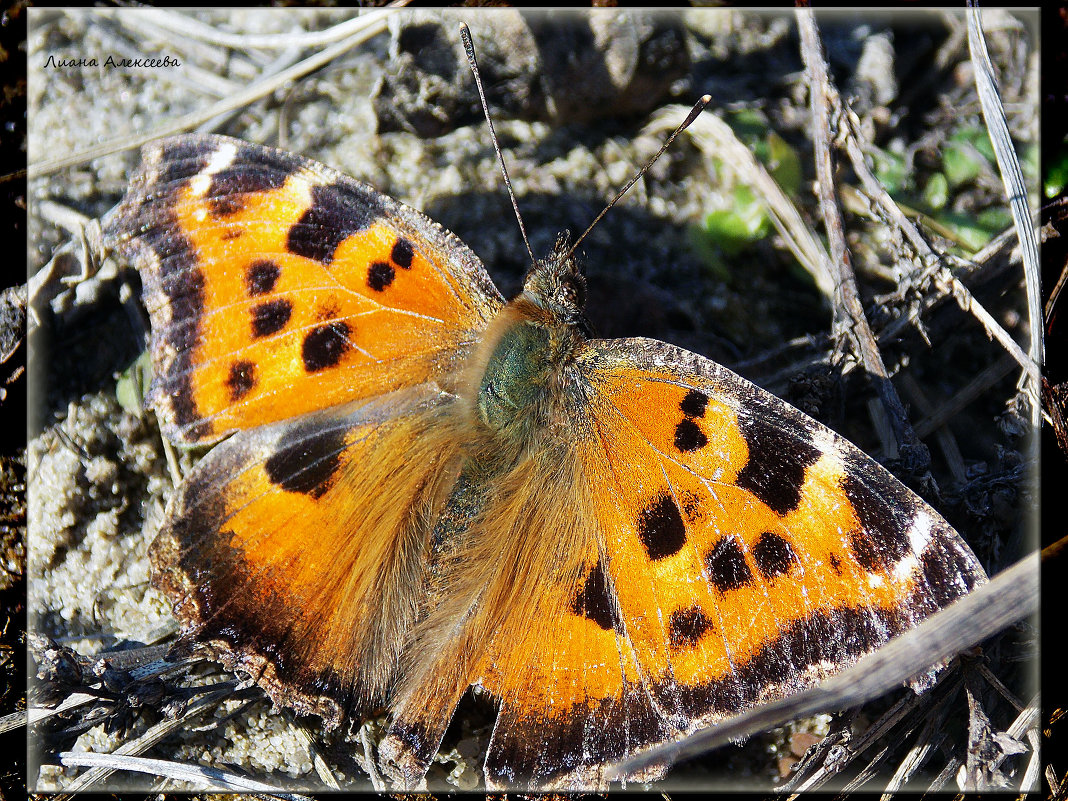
743	552
684	544
276	286
296	551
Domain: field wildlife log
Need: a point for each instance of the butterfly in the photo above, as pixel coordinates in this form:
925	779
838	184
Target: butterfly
420	487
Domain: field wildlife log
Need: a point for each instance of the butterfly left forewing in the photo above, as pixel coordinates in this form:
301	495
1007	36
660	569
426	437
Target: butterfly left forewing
317	318
277	285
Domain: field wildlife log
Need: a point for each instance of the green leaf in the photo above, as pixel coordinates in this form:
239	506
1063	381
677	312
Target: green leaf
890	170
936	192
977	138
749	125
131	388
745	222
973	231
961	163
1056	177
784	164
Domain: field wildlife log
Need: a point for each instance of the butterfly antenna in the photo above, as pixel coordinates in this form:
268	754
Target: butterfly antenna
697	109
465	34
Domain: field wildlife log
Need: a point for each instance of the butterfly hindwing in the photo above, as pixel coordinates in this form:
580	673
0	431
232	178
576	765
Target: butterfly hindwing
277	285
296	551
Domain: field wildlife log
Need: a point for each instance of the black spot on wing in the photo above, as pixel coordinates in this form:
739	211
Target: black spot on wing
727	567
687	626
949	569
325	346
306	460
885	510
779	454
660	527
270	317
689	436
694	404
336	213
380	275
241	380
592	600
402	253
773	555
261	277
868	553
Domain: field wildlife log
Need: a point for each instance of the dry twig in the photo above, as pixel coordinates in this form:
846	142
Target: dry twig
194	774
853	324
715	138
964	396
943	280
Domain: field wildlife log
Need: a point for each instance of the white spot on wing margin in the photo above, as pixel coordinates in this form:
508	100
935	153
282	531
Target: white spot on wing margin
920	531
222	158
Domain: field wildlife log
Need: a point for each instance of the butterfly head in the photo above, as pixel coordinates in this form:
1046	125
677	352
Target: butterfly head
557	286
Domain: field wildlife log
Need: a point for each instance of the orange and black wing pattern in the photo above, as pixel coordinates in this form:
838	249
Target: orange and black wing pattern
297	551
277	286
741	552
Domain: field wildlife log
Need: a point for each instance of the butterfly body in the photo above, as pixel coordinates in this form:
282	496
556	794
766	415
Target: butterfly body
526	359
427	488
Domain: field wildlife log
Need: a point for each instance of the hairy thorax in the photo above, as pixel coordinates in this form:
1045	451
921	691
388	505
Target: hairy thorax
519	379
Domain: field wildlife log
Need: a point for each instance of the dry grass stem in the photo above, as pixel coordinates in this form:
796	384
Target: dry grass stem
197	775
190	28
153	735
1015	190
964	396
716	139
947	443
948	284
874	734
322	769
850	321
929	739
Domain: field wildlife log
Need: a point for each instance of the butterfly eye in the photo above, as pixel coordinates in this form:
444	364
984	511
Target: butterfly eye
573	290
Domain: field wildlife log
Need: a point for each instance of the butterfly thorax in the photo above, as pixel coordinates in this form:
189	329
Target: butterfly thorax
523	359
